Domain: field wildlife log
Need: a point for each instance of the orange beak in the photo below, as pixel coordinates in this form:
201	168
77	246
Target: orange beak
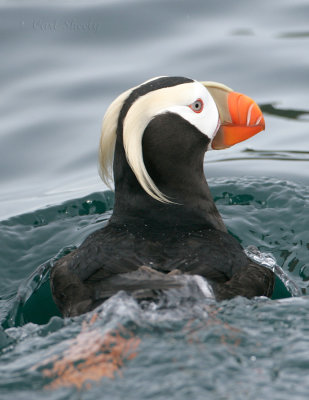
240	116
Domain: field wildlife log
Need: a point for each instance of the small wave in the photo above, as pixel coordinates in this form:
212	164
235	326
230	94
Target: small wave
268	261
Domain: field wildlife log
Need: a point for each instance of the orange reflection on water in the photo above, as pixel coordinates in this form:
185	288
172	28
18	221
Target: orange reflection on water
91	356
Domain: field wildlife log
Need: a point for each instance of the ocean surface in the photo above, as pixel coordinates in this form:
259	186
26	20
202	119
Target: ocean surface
62	63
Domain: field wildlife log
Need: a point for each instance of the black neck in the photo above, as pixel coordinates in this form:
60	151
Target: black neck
177	170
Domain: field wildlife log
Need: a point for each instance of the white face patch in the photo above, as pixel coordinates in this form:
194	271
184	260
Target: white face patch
206	120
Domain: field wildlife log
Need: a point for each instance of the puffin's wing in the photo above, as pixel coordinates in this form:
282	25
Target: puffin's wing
143	283
75	296
250	281
98	269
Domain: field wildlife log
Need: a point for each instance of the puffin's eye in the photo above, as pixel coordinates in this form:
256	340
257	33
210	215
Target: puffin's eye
197	106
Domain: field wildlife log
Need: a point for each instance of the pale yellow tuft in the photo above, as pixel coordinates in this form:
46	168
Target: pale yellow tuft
108	138
142	111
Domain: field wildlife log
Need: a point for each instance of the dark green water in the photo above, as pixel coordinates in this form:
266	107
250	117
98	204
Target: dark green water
62	65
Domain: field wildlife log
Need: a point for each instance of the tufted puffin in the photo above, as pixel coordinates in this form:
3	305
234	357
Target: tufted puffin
165	225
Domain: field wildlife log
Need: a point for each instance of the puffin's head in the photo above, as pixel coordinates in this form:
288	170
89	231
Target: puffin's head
170	121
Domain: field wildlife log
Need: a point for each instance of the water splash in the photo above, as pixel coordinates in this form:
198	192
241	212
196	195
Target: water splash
267	260
33	301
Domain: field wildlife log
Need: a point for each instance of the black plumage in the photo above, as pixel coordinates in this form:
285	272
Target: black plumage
147	244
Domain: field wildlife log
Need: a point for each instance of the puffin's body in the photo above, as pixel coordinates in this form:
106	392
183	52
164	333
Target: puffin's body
164	223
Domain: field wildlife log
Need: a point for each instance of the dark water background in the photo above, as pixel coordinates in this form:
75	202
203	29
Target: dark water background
62	63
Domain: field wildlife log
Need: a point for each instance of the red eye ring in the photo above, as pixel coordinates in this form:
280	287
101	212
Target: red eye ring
197	106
